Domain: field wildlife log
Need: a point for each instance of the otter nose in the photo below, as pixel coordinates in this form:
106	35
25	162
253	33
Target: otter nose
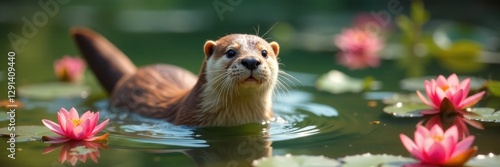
250	63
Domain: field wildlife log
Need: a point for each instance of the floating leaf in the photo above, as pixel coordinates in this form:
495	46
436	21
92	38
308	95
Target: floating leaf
406	110
484	114
337	82
295	161
417	83
48	91
27	133
376	160
484	160
494	87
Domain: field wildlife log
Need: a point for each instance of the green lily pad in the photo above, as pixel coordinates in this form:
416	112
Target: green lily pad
406	109
296	161
48	91
484	160
27	133
337	82
413	84
376	160
484	114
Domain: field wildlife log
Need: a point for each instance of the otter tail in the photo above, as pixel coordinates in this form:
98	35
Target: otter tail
107	62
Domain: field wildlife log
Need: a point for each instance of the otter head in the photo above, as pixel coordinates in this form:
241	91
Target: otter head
244	63
240	73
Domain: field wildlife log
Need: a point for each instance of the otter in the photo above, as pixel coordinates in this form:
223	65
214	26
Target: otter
234	86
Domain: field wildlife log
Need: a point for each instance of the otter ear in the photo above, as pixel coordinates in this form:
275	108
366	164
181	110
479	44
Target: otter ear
276	47
209	48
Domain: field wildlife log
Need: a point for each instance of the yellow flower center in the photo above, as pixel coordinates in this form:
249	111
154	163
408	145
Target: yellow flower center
76	122
445	87
437	138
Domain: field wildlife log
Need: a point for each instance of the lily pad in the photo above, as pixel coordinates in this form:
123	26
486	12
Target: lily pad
376	160
406	110
296	161
48	91
27	133
337	82
417	83
484	160
484	114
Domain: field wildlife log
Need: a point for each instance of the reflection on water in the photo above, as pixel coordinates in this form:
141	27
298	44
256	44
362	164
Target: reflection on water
295	117
74	151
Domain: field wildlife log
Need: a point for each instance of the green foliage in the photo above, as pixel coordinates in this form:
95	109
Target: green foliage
493	87
462	56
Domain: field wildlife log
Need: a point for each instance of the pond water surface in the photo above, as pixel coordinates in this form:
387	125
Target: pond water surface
307	121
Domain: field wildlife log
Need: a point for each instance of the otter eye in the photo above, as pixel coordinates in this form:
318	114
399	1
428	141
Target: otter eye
264	53
230	53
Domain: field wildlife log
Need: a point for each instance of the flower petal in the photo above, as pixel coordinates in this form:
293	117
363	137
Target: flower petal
103	137
441	81
424	100
436	154
63	119
78	132
463	145
453	80
73	114
53	127
461	158
437	130
87	115
410	146
99	127
465	85
470	101
457	98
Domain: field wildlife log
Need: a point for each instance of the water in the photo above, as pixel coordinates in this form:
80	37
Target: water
307	122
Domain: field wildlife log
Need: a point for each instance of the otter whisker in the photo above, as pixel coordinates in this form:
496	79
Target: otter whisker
206	72
282	87
286	76
257	30
213	81
269	29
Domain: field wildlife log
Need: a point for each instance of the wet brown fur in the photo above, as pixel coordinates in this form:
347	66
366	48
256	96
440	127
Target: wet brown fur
178	96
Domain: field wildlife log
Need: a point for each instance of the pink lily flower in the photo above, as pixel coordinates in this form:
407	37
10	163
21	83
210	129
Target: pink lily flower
69	69
73	127
452	89
359	49
436	147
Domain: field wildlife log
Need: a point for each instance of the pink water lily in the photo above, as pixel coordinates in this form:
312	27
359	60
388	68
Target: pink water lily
359	49
69	69
436	147
450	88
73	127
